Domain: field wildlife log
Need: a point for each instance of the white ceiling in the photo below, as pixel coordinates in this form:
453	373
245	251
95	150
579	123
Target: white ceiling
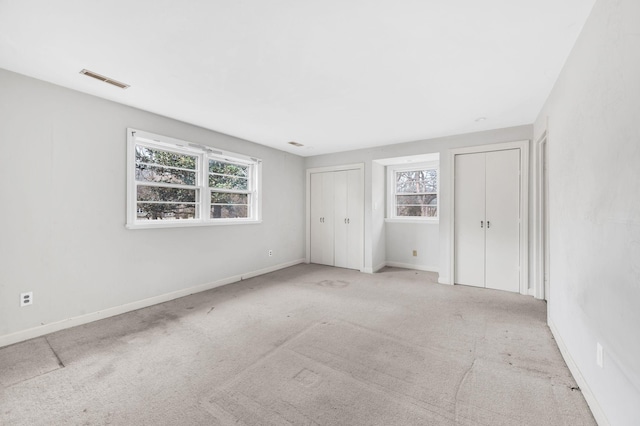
333	75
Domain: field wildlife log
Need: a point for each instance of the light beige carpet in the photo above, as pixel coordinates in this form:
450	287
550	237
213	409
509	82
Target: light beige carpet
306	345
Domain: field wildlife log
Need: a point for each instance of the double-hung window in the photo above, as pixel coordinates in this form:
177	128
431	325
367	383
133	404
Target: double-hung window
413	192
177	183
230	187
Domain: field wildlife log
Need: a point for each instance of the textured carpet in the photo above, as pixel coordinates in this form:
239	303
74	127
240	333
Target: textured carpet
306	345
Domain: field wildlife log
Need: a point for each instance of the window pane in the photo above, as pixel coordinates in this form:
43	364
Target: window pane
431	180
228	182
165	158
431	199
416	181
425	205
223	168
227	198
147	173
417	211
155	193
229	211
159	211
413	187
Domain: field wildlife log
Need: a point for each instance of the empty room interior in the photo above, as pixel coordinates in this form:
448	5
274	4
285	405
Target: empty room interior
327	213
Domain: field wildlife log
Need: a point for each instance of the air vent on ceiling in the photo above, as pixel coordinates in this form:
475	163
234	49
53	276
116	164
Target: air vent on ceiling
296	144
105	79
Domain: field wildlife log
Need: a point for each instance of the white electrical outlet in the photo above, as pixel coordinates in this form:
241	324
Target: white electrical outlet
26	299
270	253
599	355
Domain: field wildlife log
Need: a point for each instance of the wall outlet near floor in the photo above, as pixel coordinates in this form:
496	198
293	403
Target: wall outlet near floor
599	355
26	299
270	253
415	253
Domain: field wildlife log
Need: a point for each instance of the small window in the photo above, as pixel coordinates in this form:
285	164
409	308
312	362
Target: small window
413	192
176	183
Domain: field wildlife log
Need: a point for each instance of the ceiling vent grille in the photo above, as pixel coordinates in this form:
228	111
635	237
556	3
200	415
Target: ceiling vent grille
103	78
296	144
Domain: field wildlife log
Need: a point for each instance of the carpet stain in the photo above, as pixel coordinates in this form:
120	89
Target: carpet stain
307	377
333	284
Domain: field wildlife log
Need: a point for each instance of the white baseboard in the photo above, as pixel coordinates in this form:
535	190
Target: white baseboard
374	269
444	280
41	330
380	266
596	410
412	266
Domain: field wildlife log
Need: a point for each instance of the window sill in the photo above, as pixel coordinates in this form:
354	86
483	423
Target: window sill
413	220
187	223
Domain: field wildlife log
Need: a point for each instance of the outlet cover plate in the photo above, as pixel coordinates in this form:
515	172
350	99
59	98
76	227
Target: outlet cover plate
26	299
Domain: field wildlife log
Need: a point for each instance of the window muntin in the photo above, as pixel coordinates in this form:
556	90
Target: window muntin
175	183
413	192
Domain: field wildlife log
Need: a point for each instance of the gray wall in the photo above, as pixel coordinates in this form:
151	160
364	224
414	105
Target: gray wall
374	187
63	184
594	171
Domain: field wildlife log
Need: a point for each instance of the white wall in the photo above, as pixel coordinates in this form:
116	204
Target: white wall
439	145
594	176
403	238
378	197
62	186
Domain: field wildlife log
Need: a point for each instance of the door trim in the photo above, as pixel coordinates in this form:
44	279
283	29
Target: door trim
523	146
357	166
540	226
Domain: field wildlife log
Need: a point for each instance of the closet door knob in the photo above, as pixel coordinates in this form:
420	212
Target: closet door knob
488	224
482	224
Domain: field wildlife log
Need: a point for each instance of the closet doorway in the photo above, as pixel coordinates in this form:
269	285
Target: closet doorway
335	216
490	220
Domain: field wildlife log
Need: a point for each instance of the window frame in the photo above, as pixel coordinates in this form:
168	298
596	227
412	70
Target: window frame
392	170
203	191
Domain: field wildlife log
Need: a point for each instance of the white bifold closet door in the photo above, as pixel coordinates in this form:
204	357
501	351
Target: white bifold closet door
487	219
337	219
469	219
322	201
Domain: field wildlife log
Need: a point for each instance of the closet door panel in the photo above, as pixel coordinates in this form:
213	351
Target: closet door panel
503	220
469	219
317	227
340	216
327	236
355	214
